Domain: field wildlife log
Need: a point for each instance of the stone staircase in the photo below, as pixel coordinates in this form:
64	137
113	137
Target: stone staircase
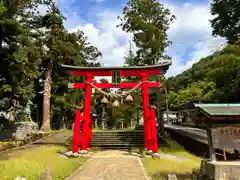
120	140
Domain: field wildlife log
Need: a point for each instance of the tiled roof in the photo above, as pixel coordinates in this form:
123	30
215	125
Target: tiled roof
220	109
162	64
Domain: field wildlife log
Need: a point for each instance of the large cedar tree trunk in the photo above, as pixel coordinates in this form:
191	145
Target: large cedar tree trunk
46	124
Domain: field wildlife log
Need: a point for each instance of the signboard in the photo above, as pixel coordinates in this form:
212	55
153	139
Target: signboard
116	77
226	137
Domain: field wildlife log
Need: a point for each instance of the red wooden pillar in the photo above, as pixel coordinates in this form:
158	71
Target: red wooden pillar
145	102
90	133
76	131
154	141
86	113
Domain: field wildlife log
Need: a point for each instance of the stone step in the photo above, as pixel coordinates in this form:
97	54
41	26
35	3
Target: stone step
120	140
117	138
161	141
113	135
115	141
120	137
117	144
118	134
119	147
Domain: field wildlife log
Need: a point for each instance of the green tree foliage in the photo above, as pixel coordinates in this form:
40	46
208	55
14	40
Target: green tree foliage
63	48
213	79
20	54
2	7
32	44
226	22
149	21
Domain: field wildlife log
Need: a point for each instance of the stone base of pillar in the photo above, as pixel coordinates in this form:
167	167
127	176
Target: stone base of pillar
83	152
149	152
156	155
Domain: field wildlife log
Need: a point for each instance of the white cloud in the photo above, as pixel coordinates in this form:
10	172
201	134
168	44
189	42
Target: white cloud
100	39
191	36
200	49
111	41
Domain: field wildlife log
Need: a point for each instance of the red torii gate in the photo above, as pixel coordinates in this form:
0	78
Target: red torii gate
150	136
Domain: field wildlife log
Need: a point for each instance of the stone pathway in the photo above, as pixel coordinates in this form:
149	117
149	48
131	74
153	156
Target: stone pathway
111	165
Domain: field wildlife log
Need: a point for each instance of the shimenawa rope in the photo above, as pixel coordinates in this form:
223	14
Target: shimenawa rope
115	95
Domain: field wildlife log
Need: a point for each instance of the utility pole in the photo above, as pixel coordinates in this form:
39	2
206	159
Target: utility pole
166	94
166	88
160	118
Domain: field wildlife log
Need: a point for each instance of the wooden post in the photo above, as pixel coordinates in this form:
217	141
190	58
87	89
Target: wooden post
212	154
86	113
76	131
160	119
154	141
224	154
90	133
145	102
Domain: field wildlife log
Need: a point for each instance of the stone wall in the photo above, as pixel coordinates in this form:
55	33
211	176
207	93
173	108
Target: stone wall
18	131
24	130
222	170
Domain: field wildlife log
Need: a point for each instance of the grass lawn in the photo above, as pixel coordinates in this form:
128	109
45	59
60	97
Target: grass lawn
158	169
172	147
31	163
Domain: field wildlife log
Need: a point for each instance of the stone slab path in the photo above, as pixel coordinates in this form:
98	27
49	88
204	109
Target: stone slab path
111	165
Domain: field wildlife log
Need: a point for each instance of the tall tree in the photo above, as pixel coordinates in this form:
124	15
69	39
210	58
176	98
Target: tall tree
129	58
62	47
20	54
226	21
53	22
149	21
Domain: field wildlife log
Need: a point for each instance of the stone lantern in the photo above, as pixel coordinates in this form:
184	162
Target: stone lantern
104	101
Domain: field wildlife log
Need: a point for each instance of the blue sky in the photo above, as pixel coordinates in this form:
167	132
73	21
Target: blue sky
190	33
